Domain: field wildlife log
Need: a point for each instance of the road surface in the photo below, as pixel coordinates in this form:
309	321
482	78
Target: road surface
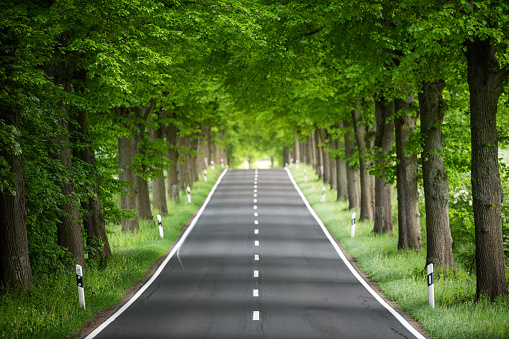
255	264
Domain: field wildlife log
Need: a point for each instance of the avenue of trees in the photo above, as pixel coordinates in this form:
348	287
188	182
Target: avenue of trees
100	100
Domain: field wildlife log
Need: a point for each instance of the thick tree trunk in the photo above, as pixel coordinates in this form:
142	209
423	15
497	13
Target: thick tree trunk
326	159
142	192
312	151
436	183
342	176
351	175
409	236
125	161
94	220
333	165
485	81
362	146
158	186
15	269
172	156
384	141
319	153
297	151
69	226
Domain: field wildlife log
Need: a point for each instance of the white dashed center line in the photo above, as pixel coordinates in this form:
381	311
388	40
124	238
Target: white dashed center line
256	257
255	195
255	200
257	243
255	191
255	214
256	222
256	274
255	207
256	315
255	293
256	231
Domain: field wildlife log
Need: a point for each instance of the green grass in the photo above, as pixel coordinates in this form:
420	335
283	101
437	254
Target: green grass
401	276
50	309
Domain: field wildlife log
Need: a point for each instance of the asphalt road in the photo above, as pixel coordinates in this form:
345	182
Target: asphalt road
256	264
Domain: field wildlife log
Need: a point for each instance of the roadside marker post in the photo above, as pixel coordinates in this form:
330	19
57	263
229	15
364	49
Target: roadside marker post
212	164
188	194
352	232
81	290
431	287
323	194
222	162
205	175
291	161
297	163
160	221
305	176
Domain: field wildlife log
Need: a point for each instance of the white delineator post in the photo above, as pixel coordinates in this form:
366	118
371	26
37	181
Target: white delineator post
81	290
160	221
222	162
297	163
212	164
431	286
188	194
305	176
323	194
352	232
205	175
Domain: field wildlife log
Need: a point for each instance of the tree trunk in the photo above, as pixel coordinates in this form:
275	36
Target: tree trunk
69	227
351	175
297	151
15	269
384	141
319	153
158	186
362	146
325	156
172	156
435	181
125	161
332	165
94	220
142	193
485	81
409	236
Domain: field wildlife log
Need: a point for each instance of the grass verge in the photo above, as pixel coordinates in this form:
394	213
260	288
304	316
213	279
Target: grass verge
401	276
50	309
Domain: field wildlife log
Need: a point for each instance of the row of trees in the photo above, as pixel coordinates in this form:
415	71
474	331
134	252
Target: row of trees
92	92
378	83
88	88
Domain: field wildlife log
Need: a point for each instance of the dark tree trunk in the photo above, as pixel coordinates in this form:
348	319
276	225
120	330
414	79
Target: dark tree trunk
313	153
409	235
94	220
362	146
297	151
325	156
485	81
342	176
125	161
172	156
286	156
319	153
384	141
351	175
436	183
15	269
332	165
140	136
69	227
158	186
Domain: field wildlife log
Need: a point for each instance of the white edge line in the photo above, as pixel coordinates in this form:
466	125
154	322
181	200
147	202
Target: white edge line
161	267
398	316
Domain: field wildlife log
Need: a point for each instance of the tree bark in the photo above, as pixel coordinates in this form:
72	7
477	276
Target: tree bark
485	81
297	151
125	162
351	175
384	141
172	156
333	165
93	222
139	135
435	181
319	153
15	269
362	146
158	186
409	235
